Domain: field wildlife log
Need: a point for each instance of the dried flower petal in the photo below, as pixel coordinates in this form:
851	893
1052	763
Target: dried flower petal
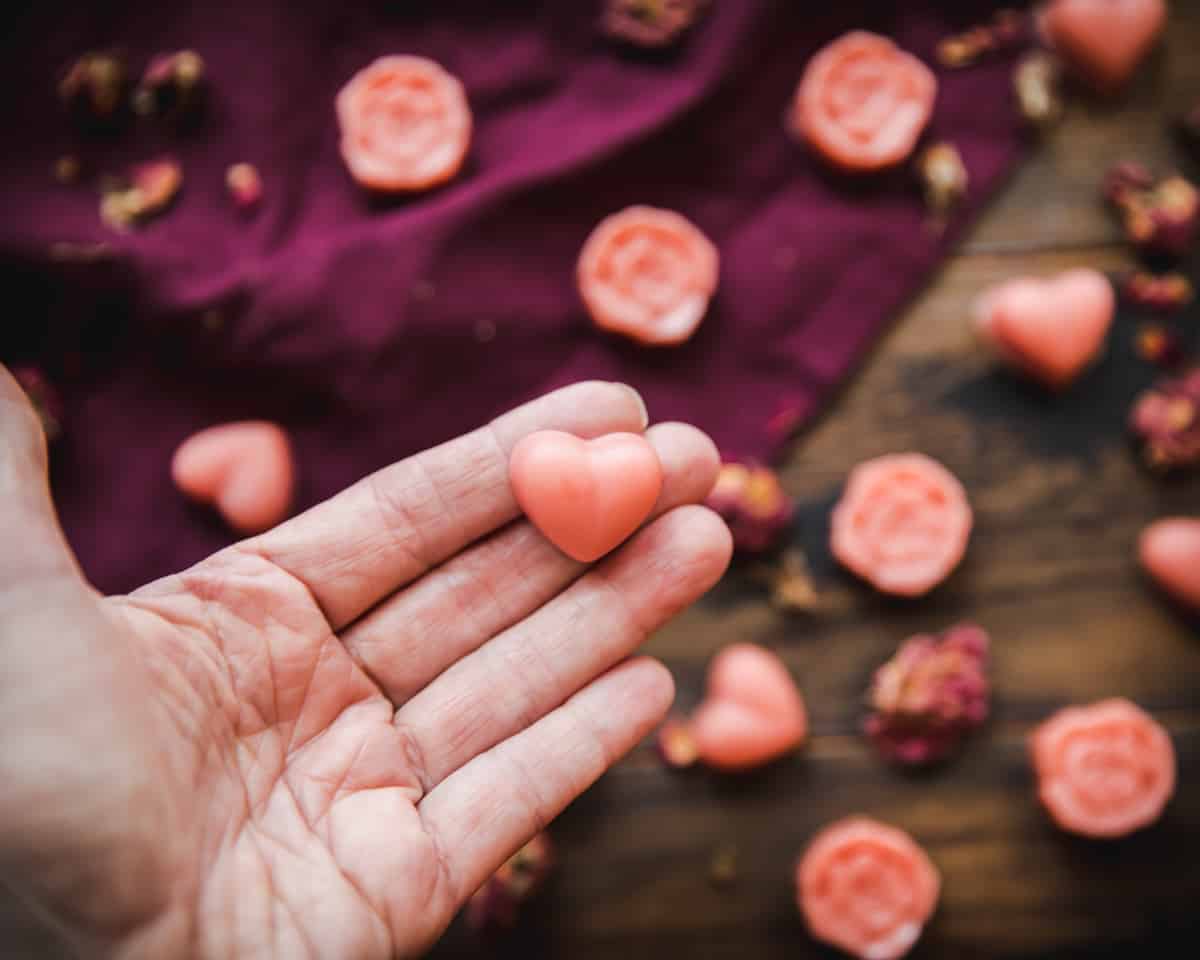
676	745
173	85
44	397
1159	345
792	587
752	502
1164	292
67	168
722	869
1164	420
1036	83
244	185
93	89
150	189
943	177
1006	30
930	695
651	23
495	905
1159	218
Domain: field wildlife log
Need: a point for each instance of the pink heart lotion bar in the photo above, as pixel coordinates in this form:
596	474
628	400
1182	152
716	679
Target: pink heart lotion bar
1103	40
244	469
585	496
753	712
1053	328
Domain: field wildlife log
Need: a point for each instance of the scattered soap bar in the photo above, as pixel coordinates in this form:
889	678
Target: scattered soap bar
1103	40
1052	329
752	713
866	888
902	523
585	496
1103	770
1169	551
648	274
405	123
243	469
863	103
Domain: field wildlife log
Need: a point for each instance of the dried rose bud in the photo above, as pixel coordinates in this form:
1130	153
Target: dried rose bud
752	502
495	905
150	189
930	695
651	23
1036	83
244	185
1159	218
1164	420
173	85
44	397
943	178
1158	345
1164	292
93	89
1006	29
676	745
67	168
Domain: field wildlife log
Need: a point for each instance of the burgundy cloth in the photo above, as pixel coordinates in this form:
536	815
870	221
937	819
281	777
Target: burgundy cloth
373	330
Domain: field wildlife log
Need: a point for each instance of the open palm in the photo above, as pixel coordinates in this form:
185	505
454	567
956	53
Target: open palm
320	741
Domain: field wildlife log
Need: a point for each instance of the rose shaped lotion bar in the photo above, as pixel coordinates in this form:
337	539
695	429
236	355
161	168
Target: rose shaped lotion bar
863	102
902	524
648	274
405	123
1103	770
866	888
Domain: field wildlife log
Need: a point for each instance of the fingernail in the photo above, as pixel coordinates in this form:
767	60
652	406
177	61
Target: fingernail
639	401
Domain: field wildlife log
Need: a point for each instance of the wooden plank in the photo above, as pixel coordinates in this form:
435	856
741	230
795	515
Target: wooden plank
1051	573
1053	201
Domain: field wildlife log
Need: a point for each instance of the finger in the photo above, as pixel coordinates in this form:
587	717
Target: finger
391	527
496	583
1169	550
513	680
498	801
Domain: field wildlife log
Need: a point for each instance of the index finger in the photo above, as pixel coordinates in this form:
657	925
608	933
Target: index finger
391	527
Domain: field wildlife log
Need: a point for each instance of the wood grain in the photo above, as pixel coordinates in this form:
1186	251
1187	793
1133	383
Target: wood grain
1051	573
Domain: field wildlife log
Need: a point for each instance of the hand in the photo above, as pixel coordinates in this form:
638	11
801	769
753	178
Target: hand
320	741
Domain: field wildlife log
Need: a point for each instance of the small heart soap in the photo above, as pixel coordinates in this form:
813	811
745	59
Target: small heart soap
1104	40
753	712
244	469
586	496
1053	328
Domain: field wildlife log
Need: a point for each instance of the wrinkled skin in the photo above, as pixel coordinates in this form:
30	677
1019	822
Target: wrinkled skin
319	742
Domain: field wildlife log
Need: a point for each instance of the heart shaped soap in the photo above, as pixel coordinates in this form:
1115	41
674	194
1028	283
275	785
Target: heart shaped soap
585	496
244	469
1104	40
753	712
1052	328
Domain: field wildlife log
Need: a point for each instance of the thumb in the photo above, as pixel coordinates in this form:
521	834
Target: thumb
1169	549
31	543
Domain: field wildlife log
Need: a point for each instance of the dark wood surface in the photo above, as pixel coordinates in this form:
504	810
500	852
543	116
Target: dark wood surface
1051	573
